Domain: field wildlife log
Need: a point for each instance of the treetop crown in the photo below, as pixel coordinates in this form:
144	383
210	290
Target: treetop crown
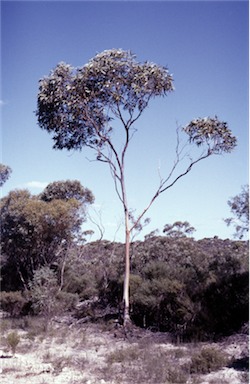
211	132
77	104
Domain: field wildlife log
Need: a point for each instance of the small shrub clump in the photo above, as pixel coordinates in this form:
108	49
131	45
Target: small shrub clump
147	365
207	360
12	302
13	340
123	355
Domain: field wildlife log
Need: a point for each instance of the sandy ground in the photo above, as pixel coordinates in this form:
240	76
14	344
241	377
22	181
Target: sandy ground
78	355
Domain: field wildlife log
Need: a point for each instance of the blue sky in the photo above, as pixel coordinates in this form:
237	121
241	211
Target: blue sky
204	45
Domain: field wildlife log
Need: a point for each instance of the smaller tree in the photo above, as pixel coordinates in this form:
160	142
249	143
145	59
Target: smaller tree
178	229
239	205
5	172
151	234
38	230
13	340
67	190
43	289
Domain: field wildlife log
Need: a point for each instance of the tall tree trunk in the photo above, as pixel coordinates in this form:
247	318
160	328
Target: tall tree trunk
22	279
126	319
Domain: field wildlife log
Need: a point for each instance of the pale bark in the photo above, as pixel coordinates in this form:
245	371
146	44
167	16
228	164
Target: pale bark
126	314
117	168
22	279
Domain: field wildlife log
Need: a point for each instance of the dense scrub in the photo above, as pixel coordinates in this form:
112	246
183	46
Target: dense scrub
194	289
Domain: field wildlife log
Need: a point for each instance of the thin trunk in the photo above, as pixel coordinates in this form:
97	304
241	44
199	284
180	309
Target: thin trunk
62	275
22	279
126	319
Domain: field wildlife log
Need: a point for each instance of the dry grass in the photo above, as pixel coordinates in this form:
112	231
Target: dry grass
89	354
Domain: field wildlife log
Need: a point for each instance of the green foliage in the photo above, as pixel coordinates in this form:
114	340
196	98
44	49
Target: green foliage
66	301
35	232
212	133
43	290
160	300
96	269
239	205
194	289
12	302
5	172
47	299
178	229
225	302
77	103
81	284
67	190
80	275
13	340
208	360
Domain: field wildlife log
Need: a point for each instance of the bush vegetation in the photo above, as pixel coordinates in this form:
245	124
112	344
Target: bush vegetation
13	302
149	365
13	340
197	290
207	360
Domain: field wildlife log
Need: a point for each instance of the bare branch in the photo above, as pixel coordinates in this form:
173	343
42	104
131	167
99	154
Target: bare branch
161	187
98	223
184	173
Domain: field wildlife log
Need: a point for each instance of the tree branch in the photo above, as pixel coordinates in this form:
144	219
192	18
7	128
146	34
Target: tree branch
184	173
99	225
163	182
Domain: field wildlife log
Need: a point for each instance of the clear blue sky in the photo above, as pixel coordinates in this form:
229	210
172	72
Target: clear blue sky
204	45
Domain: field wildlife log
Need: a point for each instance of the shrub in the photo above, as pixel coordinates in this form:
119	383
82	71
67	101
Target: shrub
196	289
12	302
144	365
159	300
80	282
207	360
43	289
13	340
225	304
66	300
158	368
123	355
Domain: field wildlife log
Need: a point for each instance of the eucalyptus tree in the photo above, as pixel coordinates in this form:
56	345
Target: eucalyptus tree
178	229
67	190
5	172
36	231
84	106
239	205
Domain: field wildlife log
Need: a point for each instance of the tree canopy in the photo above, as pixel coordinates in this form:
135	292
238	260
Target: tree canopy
178	229
34	232
79	104
5	172
239	205
212	132
67	190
